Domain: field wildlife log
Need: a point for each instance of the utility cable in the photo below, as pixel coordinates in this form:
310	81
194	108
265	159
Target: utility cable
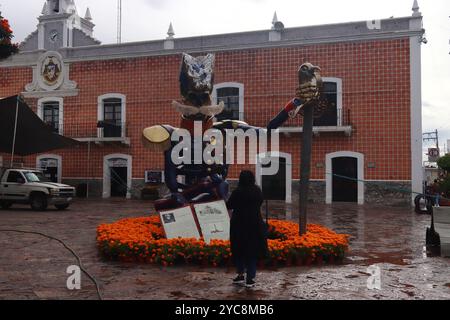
97	287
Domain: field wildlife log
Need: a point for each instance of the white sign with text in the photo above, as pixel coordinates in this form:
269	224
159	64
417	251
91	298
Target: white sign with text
179	223
214	220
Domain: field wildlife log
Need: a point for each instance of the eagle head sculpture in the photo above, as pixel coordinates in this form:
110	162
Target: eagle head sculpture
196	85
310	88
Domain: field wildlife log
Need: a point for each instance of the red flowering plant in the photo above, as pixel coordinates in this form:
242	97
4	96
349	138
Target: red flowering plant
142	240
7	48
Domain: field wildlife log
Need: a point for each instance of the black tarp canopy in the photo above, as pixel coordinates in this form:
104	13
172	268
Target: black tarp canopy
32	134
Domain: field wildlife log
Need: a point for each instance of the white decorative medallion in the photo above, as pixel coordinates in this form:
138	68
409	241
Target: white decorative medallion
51	78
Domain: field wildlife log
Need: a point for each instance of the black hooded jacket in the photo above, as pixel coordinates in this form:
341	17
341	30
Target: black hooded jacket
248	230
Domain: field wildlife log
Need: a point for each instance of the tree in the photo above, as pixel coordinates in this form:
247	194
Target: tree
444	163
7	48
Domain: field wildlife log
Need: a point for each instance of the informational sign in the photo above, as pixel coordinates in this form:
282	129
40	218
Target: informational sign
214	220
179	223
433	154
154	176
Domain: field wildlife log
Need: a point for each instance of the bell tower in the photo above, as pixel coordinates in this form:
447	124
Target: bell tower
60	25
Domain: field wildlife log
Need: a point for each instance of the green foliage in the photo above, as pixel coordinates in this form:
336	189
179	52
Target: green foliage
444	187
444	163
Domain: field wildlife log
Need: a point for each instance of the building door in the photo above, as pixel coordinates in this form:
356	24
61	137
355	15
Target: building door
345	183
119	177
274	186
49	168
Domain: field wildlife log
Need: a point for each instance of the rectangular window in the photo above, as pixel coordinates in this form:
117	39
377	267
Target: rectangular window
15	177
230	97
50	115
330	115
112	112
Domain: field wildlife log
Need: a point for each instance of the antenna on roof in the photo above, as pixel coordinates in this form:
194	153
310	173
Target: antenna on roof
119	21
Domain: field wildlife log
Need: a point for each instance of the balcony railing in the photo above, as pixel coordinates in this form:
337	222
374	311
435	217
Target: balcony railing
337	121
97	132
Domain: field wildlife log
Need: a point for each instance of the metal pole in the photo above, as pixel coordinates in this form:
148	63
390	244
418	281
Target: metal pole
119	21
89	169
305	165
437	139
15	132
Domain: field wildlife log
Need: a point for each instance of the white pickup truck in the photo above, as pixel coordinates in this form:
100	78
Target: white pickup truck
29	186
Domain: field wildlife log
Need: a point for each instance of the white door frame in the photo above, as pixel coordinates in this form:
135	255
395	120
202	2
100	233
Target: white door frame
329	173
276	154
107	173
58	159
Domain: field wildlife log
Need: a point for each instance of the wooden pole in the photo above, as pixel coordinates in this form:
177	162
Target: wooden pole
305	165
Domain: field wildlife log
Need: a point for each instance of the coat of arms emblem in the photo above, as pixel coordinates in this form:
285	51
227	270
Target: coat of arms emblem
51	70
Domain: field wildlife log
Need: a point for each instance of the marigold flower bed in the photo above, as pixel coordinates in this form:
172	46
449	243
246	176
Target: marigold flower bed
142	240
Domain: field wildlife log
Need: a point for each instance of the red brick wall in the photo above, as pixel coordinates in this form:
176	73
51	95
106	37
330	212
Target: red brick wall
376	94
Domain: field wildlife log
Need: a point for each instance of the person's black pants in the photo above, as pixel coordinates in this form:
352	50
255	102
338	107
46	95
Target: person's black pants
246	265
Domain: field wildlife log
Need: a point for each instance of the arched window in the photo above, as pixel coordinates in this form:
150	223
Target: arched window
232	94
51	111
112	115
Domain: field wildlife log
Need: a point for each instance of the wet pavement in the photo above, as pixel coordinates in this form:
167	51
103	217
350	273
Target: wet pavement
392	239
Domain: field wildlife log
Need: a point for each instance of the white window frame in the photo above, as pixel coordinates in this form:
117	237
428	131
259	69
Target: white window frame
101	110
329	174
40	110
107	173
339	106
275	155
56	157
237	85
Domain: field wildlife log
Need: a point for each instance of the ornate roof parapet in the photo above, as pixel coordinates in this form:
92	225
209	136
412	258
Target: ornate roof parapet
169	43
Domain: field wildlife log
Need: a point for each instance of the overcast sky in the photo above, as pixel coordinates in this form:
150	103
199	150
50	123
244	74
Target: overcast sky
149	20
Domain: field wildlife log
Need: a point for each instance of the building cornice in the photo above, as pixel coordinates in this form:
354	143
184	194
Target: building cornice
303	36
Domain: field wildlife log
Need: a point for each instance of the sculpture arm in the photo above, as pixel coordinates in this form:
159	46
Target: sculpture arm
283	116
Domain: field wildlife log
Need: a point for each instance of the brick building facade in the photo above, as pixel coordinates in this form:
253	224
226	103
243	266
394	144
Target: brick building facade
372	132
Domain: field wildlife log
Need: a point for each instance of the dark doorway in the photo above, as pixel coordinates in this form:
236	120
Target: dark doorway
119	180
51	173
49	167
345	175
274	187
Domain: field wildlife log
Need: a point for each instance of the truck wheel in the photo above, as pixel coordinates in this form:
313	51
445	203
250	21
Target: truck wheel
62	206
38	202
5	204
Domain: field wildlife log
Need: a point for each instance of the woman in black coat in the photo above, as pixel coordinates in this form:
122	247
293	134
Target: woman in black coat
248	230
